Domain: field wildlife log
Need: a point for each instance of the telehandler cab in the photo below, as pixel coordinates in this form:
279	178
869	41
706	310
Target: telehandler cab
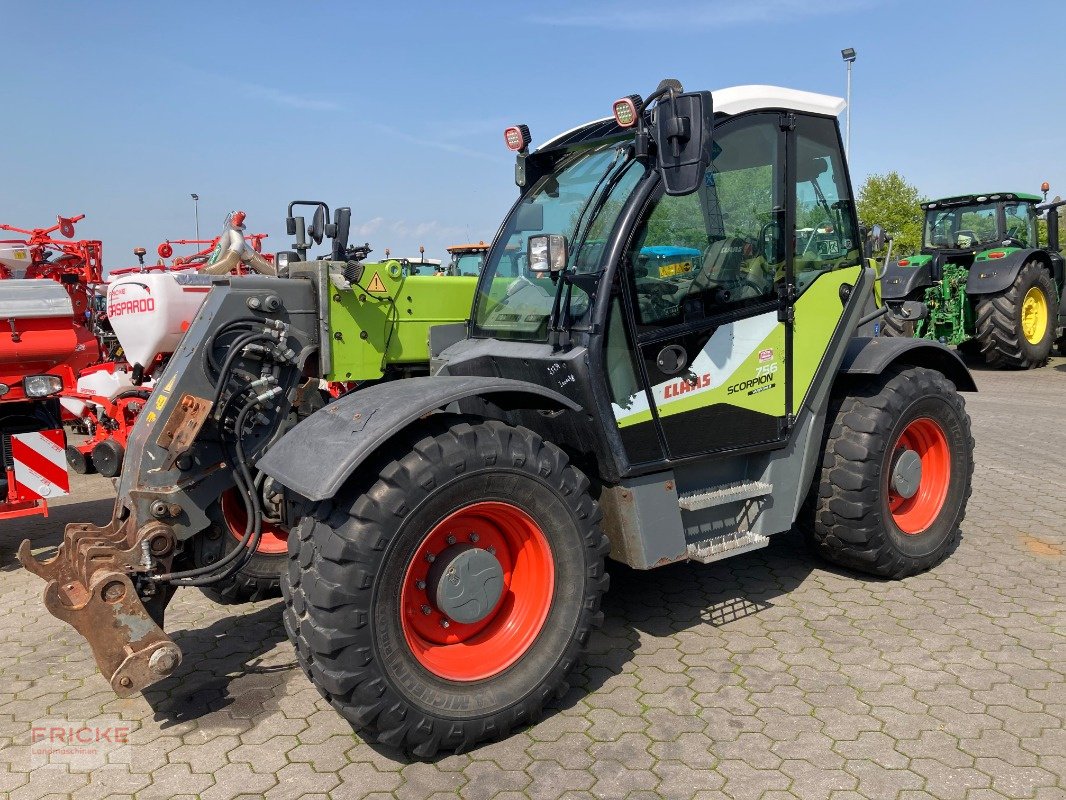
449	533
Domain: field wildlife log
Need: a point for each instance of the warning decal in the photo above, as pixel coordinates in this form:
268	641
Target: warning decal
40	463
376	285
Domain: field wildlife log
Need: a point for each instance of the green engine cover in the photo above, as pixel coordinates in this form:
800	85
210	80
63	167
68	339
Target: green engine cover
385	319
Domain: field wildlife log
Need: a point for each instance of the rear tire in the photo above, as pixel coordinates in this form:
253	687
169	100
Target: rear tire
1013	332
855	514
362	633
260	577
894	325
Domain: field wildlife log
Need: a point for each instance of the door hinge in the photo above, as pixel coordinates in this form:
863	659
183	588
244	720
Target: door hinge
786	311
787	121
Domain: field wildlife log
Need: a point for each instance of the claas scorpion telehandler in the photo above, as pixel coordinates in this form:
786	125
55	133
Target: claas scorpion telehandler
446	559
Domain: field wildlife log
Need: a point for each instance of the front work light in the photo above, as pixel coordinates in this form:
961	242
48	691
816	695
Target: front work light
517	137
627	110
41	385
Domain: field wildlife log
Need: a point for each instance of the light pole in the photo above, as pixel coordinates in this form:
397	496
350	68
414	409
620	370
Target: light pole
196	211
848	54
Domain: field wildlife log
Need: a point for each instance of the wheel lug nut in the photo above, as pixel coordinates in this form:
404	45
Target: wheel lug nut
492	551
421	584
430	558
451	539
445	624
427	610
474	537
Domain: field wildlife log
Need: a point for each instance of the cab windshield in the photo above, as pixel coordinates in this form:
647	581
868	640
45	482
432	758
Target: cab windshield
580	198
961	227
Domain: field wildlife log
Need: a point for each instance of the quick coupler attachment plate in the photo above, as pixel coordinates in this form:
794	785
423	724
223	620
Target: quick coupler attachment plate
90	587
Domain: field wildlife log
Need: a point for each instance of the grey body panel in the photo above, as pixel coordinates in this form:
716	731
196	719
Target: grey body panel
897	283
997	275
873	355
318	454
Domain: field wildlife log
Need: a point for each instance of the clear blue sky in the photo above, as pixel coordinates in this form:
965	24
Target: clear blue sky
120	110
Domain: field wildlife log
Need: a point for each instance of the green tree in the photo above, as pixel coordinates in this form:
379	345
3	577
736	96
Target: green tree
889	201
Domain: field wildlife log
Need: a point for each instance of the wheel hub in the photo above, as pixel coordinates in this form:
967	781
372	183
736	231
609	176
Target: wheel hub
465	583
907	473
1034	315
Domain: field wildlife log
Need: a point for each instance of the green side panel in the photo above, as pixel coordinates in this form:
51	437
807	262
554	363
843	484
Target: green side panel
818	313
983	255
766	398
919	260
878	266
386	319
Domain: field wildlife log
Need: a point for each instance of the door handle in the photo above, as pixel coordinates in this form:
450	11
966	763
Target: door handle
671	359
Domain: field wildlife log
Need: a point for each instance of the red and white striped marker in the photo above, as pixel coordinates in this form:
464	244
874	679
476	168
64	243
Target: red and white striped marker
40	464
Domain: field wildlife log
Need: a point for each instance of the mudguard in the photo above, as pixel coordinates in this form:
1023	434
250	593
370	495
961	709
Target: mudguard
873	355
317	455
897	283
997	274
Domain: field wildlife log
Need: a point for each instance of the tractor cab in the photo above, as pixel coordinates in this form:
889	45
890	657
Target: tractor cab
466	259
677	282
961	227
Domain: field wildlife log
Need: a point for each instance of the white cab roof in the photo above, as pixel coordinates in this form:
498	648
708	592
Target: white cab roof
738	99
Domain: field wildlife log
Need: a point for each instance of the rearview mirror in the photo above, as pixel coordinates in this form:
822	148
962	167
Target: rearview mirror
877	238
342	223
546	253
317	229
683	135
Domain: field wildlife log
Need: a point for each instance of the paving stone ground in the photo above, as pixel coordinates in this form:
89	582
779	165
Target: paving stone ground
770	675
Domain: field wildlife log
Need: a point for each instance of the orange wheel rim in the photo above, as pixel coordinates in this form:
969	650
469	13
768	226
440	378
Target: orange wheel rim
274	538
914	514
473	651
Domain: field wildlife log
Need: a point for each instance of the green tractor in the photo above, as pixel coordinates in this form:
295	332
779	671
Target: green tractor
655	369
982	281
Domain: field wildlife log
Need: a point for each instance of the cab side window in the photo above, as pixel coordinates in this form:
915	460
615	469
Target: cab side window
1021	223
719	247
825	238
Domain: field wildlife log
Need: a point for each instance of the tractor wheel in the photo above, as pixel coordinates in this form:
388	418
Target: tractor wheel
260	578
80	462
895	475
894	325
443	600
1016	327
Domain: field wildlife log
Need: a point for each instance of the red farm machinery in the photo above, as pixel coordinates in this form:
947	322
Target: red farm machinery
47	303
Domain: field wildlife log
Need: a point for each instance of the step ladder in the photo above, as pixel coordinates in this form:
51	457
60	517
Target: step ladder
721	495
726	545
731	542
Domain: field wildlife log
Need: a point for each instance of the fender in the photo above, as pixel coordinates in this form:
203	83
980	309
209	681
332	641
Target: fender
997	274
897	283
318	454
873	355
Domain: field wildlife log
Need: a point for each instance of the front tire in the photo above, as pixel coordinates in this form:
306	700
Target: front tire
1016	327
895	475
363	589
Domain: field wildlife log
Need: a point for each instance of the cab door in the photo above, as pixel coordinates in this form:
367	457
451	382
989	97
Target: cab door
714	325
